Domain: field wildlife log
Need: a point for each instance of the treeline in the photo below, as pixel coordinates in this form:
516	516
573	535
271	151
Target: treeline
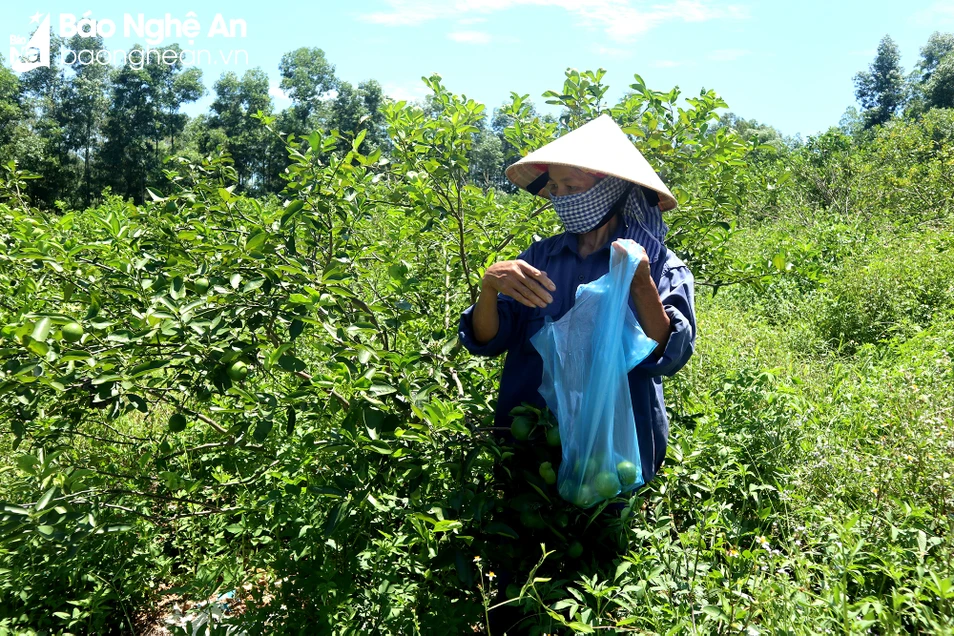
88	127
884	91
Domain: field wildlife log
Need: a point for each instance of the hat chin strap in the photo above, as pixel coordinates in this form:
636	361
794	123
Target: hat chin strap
537	184
534	187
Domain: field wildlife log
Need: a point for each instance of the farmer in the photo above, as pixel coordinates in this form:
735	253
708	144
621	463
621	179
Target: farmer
603	190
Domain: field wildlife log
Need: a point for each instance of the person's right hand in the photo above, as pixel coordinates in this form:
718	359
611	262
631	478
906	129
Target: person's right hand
521	281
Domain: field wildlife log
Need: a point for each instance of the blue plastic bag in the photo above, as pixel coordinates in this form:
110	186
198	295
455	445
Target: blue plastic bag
586	357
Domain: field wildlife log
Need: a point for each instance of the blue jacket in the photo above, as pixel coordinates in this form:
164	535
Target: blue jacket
523	368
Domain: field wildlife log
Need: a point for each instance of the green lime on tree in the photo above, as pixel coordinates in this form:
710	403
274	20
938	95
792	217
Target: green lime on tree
627	473
531	519
521	427
238	371
201	285
72	332
575	550
553	435
547	473
177	423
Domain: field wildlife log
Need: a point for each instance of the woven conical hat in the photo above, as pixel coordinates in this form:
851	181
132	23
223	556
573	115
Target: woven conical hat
599	145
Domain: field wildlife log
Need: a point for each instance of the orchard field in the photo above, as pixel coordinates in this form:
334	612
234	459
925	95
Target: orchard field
262	418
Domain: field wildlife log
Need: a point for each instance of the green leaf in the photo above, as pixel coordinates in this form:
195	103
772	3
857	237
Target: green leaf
42	328
715	612
39	347
146	367
17	510
580	627
398	271
332	522
463	568
497	527
46	498
121	527
291	212
27	463
291	363
382	389
262	429
256	240
296	328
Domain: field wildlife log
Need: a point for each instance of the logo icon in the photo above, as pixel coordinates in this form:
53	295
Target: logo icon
26	56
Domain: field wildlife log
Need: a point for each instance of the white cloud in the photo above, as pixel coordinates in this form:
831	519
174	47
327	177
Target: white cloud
608	51
466	21
470	37
727	55
941	13
275	91
622	20
401	92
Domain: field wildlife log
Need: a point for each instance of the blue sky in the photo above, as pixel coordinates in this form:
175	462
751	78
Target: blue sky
788	64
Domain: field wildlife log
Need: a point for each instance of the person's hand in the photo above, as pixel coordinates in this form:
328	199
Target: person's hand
521	281
642	274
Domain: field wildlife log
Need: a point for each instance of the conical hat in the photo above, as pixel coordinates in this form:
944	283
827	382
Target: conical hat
599	145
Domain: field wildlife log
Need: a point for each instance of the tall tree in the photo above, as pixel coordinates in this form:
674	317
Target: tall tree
170	86
43	93
143	121
939	90
125	154
87	99
10	110
487	160
356	109
880	89
373	97
245	137
307	78
936	68
938	46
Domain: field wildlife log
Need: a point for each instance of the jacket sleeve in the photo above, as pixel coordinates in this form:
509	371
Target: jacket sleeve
676	290
507	317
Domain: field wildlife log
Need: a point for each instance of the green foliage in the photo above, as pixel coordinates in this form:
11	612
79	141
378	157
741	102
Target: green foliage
306	77
880	89
701	163
932	81
255	155
349	482
893	291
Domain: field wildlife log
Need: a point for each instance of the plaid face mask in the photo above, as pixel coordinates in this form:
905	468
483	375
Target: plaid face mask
583	211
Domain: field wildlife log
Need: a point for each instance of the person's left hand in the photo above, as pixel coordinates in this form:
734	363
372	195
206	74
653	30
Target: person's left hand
642	274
